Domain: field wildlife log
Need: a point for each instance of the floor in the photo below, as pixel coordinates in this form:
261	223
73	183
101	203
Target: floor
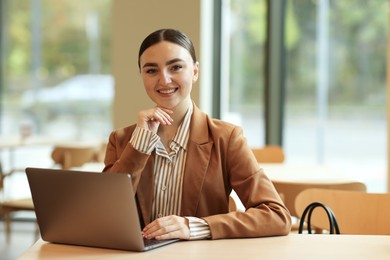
22	237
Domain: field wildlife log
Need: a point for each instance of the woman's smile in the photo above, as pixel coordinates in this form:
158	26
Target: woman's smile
167	91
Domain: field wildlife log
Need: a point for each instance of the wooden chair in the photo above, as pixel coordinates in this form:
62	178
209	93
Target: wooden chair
232	204
9	206
356	212
269	154
290	190
68	156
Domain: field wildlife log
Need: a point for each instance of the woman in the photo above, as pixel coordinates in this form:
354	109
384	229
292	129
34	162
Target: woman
183	163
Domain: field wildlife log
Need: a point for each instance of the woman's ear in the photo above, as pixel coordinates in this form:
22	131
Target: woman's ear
196	72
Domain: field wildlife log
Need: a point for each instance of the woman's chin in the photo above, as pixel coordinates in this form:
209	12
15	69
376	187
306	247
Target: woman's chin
165	106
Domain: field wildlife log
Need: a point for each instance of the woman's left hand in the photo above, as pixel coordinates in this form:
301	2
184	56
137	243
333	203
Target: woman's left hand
167	228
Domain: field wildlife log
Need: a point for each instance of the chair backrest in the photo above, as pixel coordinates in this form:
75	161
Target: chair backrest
356	212
290	190
101	152
74	156
2	177
269	154
232	204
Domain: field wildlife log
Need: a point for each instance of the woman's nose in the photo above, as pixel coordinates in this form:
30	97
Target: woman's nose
165	78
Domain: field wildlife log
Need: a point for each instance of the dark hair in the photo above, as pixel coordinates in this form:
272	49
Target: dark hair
169	35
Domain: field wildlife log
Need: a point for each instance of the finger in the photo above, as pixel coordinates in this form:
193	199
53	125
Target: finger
163	116
166	110
167	227
156	225
160	117
170	235
156	228
177	231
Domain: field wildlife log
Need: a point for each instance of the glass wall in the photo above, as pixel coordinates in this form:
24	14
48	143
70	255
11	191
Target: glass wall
56	69
243	43
336	87
335	107
56	84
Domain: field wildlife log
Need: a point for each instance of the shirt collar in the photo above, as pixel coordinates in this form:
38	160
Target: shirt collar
183	132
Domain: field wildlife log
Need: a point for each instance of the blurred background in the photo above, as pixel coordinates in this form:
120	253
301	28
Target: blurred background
56	75
309	75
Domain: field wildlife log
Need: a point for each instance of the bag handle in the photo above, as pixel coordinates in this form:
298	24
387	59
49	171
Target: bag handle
333	226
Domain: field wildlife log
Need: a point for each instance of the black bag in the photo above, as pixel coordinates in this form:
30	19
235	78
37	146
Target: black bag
333	226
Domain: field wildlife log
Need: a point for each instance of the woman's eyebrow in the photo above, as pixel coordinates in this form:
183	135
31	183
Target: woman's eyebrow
173	61
153	64
149	64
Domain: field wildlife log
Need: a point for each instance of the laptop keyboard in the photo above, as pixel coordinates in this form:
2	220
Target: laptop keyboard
153	243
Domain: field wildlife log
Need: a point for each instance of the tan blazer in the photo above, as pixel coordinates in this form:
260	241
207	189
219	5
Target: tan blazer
218	160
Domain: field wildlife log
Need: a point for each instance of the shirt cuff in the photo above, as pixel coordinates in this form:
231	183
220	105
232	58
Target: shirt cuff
144	140
199	229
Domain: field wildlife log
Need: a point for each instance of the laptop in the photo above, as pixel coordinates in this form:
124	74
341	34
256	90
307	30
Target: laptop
88	209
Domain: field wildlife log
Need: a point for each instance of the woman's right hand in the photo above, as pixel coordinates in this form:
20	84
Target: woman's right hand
152	118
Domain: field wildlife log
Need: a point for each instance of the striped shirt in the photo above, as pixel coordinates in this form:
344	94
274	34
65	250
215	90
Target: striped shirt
168	173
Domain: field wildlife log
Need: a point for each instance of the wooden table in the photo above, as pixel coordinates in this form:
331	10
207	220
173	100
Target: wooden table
293	246
8	142
311	174
302	173
11	143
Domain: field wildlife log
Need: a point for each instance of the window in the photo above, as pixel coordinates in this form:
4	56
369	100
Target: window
242	91
55	76
56	72
335	104
336	87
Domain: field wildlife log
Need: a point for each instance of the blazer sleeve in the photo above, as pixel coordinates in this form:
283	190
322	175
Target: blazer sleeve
265	213
122	157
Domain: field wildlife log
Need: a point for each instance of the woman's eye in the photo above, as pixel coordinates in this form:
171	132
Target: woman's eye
151	71
176	67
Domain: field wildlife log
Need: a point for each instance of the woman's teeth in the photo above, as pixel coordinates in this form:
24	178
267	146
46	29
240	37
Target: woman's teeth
167	91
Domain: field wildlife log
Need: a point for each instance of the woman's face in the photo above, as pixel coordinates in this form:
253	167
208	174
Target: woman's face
168	73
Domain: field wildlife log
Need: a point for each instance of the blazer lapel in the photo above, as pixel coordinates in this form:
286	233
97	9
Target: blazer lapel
199	148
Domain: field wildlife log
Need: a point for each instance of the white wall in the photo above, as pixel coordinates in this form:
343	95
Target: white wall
132	21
